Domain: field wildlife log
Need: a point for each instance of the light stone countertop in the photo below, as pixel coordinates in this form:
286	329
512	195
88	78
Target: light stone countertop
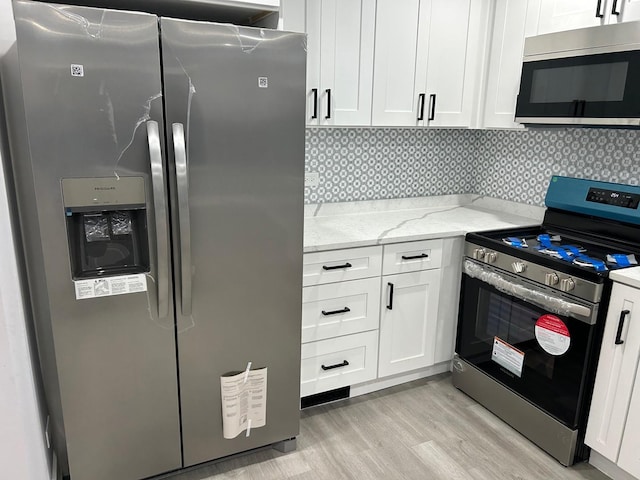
627	276
332	226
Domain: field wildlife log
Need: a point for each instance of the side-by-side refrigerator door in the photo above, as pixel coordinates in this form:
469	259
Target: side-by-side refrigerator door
94	218
235	109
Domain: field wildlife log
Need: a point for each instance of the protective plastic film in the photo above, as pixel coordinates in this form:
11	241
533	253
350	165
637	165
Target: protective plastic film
537	297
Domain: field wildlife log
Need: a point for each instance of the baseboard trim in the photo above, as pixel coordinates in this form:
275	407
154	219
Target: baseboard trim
382	383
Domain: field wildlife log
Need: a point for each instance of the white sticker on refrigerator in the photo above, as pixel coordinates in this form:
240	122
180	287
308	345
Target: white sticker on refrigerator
507	356
552	334
106	287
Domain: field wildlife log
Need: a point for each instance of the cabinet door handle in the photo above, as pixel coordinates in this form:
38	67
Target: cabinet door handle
336	267
421	99
328	92
599	12
315	102
390	302
614	8
337	365
414	257
432	106
623	315
335	312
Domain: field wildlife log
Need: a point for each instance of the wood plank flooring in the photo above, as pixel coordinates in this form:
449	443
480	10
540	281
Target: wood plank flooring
425	429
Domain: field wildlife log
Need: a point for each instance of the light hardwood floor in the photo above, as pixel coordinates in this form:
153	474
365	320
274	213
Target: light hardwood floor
425	429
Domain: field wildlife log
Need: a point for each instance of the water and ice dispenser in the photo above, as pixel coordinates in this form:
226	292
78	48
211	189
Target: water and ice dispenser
106	226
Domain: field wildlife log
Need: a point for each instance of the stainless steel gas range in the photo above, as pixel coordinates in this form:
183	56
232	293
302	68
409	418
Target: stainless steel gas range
532	310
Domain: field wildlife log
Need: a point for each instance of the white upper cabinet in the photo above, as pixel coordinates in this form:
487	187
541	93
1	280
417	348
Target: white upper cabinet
504	64
427	59
340	40
560	15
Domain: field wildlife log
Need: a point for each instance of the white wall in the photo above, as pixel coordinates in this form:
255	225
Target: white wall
22	447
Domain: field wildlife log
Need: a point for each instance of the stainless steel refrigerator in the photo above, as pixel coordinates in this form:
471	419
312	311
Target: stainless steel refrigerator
158	167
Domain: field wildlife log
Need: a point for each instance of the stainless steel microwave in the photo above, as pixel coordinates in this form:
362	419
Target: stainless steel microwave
589	76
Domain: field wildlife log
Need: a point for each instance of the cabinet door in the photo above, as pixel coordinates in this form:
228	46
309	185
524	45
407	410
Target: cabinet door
455	50
505	60
346	61
408	321
629	452
402	30
616	373
627	11
560	15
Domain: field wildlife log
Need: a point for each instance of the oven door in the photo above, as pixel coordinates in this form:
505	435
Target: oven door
529	338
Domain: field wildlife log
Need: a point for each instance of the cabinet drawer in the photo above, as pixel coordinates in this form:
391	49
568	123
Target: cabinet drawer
340	265
338	362
340	308
412	256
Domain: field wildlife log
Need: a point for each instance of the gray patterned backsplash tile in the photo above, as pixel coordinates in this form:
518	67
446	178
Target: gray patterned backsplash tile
379	163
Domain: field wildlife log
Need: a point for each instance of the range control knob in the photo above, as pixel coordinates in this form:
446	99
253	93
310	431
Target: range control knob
490	257
478	253
519	267
567	284
551	279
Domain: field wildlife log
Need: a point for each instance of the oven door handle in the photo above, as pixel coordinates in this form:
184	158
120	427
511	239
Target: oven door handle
540	298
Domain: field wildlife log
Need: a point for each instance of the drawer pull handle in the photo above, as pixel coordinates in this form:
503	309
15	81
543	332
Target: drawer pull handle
335	312
414	257
390	303
337	365
623	314
336	267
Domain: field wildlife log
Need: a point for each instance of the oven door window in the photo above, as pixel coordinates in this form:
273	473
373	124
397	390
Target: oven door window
592	86
497	334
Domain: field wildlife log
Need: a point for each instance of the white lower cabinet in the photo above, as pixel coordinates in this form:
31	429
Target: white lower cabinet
408	321
613	429
338	362
354	330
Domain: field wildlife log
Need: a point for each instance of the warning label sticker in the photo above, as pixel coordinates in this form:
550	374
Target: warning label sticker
552	334
507	356
105	287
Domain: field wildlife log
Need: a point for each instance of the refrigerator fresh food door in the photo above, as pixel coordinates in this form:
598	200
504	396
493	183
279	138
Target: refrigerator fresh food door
92	105
235	100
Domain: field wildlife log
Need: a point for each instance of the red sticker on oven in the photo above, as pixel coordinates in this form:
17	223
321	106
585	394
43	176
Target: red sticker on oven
552	334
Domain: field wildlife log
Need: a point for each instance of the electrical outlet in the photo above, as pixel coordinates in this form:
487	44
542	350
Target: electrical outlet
311	179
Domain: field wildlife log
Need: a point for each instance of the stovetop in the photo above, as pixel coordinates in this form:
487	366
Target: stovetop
568	249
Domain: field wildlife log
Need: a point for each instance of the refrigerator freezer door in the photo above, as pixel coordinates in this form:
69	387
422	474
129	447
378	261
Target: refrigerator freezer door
91	81
239	93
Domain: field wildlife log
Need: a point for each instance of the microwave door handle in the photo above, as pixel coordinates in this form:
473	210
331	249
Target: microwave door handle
160	212
184	222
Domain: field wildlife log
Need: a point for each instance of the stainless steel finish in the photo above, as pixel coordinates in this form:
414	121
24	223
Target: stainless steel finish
583	289
542	429
632	122
182	184
567	284
83	192
109	366
617	37
223	11
478	253
530	292
551	279
246	166
490	257
518	267
160	208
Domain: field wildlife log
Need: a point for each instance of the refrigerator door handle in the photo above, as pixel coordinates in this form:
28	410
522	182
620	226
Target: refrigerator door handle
182	182
160	209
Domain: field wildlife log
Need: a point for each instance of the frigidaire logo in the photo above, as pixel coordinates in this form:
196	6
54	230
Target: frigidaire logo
104	188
